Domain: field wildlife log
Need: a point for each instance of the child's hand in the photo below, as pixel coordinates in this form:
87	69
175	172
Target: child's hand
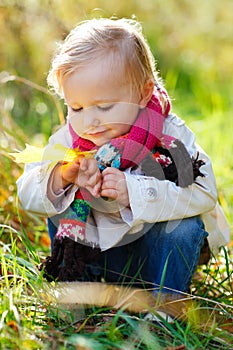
82	172
114	186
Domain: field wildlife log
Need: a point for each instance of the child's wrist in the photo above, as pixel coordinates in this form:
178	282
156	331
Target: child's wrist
65	183
59	183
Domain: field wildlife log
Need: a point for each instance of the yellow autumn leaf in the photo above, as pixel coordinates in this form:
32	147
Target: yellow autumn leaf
54	153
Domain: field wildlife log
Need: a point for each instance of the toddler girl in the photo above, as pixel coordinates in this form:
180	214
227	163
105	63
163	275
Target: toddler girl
140	207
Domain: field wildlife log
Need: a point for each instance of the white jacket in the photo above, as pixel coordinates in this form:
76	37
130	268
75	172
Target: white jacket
151	200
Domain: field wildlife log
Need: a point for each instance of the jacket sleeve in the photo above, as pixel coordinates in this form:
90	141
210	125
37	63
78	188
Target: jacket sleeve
153	200
32	185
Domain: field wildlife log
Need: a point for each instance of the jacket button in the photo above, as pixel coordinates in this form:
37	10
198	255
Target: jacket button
150	194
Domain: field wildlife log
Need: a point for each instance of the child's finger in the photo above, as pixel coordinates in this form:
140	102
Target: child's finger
83	164
109	183
94	190
110	193
94	179
111	171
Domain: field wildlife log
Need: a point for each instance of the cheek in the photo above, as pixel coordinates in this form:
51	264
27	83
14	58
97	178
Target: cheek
127	113
124	128
129	116
123	121
76	122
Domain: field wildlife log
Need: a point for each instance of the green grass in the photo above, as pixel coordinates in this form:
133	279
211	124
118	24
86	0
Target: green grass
29	322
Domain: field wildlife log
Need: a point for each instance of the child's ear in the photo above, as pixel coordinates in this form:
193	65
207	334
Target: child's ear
147	92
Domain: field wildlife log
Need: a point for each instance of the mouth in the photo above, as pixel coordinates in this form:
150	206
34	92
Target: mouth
96	132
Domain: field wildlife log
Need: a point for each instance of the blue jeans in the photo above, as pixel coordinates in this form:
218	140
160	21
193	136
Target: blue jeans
160	258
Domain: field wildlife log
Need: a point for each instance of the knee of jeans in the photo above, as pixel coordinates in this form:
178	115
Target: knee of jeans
189	229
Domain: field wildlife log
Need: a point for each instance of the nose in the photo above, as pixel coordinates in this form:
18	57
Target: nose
90	118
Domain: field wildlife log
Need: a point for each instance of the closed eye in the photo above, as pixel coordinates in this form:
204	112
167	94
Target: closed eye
77	109
105	108
100	107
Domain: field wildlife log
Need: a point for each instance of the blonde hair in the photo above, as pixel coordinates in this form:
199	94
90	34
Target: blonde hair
120	39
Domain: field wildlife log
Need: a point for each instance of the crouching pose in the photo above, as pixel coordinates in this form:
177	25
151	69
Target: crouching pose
141	208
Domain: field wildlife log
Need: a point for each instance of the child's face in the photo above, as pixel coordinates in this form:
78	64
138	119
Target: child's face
100	105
